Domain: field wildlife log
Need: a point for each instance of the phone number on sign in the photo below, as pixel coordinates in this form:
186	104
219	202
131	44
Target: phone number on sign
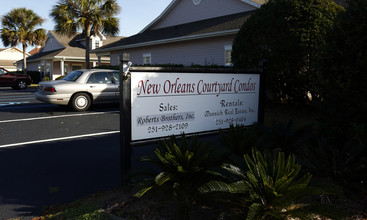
230	121
170	127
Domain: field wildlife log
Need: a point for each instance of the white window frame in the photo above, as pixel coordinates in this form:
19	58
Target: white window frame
147	58
97	43
227	55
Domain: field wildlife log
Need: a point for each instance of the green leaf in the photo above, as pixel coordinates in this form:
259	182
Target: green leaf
255	212
161	178
141	192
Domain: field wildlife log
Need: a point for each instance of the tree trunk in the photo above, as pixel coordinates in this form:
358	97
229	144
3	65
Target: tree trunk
24	59
87	46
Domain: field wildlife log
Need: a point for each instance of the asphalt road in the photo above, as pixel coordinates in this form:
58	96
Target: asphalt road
51	155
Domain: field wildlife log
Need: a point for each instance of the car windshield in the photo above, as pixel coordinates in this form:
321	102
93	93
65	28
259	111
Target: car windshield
3	71
73	76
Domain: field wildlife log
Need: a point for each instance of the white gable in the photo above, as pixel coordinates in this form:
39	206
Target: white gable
185	11
52	43
11	53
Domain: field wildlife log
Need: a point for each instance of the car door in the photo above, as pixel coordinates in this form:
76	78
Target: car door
116	81
6	78
101	86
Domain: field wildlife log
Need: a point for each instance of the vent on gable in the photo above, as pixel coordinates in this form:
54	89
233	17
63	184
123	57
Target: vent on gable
196	2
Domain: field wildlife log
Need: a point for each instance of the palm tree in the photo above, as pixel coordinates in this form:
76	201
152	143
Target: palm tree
90	16
19	28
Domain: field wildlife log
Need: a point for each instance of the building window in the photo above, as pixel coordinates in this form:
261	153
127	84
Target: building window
97	43
147	58
76	67
126	56
228	55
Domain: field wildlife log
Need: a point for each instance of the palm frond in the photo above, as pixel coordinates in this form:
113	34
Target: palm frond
256	211
142	191
161	178
219	186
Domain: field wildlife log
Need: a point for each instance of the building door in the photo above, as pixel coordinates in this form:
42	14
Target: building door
48	75
66	69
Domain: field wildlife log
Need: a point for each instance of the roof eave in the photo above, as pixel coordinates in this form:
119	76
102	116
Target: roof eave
169	7
65	58
252	3
159	17
170	40
69	58
14	48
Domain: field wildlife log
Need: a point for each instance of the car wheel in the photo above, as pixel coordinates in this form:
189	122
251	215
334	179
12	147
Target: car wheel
80	102
21	84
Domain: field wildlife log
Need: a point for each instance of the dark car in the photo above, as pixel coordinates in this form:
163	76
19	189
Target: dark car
14	80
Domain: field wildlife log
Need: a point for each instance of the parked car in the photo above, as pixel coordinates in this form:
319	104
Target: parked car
14	80
81	88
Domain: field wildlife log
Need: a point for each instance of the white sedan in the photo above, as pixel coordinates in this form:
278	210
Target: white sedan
81	88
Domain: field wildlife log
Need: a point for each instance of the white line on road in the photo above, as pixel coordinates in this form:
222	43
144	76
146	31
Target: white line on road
57	116
9	94
58	139
18	98
21	107
12	103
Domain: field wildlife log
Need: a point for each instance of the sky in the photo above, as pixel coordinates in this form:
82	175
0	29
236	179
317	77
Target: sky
134	14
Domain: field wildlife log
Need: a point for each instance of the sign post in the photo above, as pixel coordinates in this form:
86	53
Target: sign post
125	120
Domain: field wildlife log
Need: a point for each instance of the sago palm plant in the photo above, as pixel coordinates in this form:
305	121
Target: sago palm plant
183	166
271	187
240	140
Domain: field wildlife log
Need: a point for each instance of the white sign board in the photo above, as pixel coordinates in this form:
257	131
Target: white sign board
164	104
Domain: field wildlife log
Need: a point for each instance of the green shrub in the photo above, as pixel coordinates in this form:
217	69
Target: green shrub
184	167
79	211
271	187
60	77
342	79
343	163
35	76
288	34
286	138
240	140
107	67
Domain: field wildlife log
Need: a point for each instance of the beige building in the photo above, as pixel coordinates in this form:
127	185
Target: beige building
8	57
62	54
187	32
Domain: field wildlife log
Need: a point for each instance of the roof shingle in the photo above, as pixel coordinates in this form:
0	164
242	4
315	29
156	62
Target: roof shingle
72	46
197	28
